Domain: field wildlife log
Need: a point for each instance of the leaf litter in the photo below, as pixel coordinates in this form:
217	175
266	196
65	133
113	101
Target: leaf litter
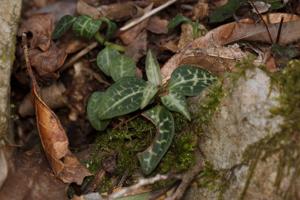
212	35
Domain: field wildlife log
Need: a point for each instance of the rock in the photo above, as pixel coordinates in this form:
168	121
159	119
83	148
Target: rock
9	16
241	122
243	119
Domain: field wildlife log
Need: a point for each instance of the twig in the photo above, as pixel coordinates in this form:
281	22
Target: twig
146	15
187	178
279	31
141	183
260	16
92	187
95	76
79	55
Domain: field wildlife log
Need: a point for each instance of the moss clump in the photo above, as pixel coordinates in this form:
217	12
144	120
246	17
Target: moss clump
287	141
134	137
208	106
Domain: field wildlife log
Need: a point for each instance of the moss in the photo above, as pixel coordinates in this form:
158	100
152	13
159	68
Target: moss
208	106
286	142
135	136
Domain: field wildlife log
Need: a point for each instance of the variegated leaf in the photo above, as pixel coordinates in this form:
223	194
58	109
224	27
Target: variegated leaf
189	81
123	97
63	25
85	26
176	102
153	69
93	106
105	58
111	27
122	66
149	92
164	122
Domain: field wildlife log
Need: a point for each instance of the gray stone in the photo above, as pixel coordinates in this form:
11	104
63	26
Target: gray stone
9	17
242	119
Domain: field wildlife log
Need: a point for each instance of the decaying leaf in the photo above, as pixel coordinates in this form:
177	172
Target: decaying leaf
115	11
41	27
158	25
138	47
130	35
243	30
48	62
53	137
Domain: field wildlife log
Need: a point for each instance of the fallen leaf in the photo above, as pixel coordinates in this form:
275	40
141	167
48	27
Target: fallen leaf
235	31
41	27
115	11
200	10
158	25
130	35
48	62
186	35
53	137
138	47
58	9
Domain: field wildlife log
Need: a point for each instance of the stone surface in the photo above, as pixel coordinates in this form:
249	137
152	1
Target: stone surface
241	120
9	16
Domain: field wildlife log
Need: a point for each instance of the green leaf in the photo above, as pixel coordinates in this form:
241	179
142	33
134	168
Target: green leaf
105	58
149	92
177	20
177	103
123	97
164	122
85	26
187	80
225	12
153	69
122	66
93	105
111	27
63	25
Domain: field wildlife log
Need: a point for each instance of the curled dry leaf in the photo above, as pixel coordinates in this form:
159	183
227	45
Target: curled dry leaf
41	27
46	63
243	30
200	11
53	136
186	35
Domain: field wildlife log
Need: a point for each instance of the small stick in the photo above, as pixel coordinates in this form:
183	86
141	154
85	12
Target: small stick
279	31
79	55
187	178
147	15
260	16
141	183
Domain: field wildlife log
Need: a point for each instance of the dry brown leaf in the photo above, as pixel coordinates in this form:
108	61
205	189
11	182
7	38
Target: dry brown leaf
116	11
48	62
130	35
200	10
138	47
53	137
41	27
186	35
158	25
235	31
